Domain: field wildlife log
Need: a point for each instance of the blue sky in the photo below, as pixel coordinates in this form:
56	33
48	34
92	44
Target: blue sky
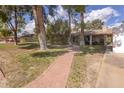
112	20
110	15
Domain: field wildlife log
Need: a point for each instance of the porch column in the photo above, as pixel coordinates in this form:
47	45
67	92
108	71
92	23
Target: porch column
90	39
105	36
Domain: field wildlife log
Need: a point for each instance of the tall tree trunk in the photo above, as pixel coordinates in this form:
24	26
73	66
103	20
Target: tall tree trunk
82	42
15	37
69	23
39	24
15	30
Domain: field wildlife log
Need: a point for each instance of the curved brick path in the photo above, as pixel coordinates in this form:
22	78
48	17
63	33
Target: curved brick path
56	75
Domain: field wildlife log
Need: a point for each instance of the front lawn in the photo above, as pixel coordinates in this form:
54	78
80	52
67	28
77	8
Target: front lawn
23	63
85	67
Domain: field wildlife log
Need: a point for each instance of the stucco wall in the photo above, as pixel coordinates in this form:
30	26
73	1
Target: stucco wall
118	39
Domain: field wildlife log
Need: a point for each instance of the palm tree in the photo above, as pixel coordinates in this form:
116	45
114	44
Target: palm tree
81	10
39	24
69	9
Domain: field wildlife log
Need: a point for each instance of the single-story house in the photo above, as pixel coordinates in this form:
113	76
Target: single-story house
26	36
94	37
9	39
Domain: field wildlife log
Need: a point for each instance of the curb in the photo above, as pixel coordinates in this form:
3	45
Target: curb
100	69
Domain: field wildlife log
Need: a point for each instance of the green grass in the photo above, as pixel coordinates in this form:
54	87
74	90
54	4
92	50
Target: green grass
5	46
78	72
24	64
92	49
78	77
29	45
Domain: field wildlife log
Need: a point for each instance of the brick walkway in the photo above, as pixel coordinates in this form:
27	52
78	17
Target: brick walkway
56	75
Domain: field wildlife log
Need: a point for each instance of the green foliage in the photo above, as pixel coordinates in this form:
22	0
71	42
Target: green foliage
3	16
69	8
95	24
29	38
108	40
79	8
77	74
92	49
11	13
5	33
58	33
29	45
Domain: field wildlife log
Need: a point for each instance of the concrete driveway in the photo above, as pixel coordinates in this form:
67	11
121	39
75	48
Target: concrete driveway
112	72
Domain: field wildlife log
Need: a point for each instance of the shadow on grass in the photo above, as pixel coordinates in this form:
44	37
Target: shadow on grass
48	53
57	46
91	50
34	45
29	45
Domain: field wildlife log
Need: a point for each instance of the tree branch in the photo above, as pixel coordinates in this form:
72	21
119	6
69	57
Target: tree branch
10	25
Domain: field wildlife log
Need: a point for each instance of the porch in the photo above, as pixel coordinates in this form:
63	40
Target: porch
94	37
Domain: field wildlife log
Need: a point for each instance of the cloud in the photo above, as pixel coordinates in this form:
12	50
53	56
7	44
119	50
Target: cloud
50	18
30	26
62	13
116	25
103	14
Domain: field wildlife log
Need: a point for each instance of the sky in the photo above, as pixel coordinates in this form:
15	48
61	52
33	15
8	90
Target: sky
111	15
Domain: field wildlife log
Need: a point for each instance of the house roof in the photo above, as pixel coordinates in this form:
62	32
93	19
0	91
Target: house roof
99	32
94	32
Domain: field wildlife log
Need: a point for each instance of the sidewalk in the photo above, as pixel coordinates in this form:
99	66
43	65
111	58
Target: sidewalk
112	72
56	75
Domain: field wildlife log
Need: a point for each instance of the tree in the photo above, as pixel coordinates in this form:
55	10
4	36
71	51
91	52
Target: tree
39	25
88	25
13	15
69	9
52	11
40	17
81	9
4	32
58	32
95	24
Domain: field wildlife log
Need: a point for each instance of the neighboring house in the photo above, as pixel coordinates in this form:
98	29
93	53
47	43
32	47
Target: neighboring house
9	39
118	39
94	37
26	37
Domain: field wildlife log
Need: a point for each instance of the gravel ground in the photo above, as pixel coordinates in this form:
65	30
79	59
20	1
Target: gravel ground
3	81
93	63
